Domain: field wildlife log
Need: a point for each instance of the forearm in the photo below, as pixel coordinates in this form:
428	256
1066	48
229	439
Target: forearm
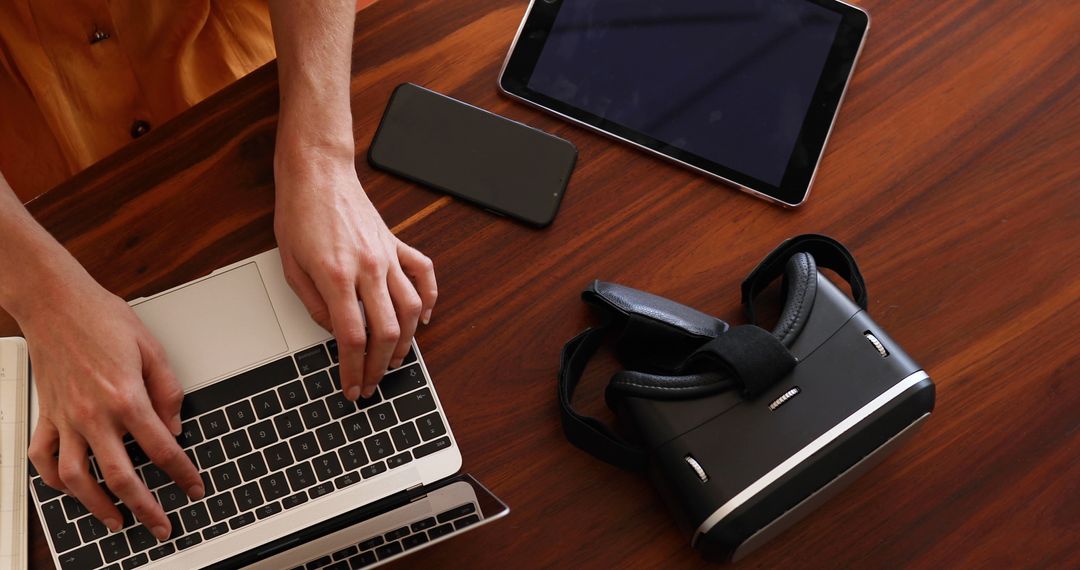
314	47
34	268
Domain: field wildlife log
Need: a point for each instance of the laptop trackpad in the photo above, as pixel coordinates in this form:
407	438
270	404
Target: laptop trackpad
216	326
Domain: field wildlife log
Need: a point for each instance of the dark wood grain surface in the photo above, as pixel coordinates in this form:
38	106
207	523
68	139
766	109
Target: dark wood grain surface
952	173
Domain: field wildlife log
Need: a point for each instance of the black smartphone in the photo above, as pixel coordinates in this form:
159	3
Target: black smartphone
467	152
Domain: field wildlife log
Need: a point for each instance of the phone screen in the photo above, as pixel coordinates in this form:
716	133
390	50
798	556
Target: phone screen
499	164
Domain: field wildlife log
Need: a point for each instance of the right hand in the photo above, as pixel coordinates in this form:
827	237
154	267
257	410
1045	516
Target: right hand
100	374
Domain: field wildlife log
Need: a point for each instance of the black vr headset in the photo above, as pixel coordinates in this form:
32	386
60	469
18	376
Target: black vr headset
744	431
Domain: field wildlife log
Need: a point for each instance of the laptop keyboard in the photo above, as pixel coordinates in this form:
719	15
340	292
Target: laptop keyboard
264	441
382	546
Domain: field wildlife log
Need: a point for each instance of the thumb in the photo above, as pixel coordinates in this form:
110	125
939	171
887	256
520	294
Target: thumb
161	384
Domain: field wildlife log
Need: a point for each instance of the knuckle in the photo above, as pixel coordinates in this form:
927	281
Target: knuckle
120	481
388	333
336	273
164	454
372	264
353	338
426	263
70	472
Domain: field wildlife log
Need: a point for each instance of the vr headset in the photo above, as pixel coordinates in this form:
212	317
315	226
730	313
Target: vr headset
744	431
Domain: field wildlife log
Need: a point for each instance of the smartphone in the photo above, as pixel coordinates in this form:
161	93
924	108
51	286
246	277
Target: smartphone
498	164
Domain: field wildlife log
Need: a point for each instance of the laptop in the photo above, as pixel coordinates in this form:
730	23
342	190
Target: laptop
296	475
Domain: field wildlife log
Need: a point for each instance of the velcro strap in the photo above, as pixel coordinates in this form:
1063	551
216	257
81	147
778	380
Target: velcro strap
753	356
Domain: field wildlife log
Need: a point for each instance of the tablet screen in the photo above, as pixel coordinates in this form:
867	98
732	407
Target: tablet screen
731	81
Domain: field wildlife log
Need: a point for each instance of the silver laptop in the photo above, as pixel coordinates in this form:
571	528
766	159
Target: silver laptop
296	475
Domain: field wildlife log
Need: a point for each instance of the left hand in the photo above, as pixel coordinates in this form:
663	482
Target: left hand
337	252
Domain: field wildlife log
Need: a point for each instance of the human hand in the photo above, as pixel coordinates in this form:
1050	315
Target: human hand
100	374
336	250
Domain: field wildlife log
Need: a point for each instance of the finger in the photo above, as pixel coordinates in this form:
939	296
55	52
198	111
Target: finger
407	304
121	479
164	452
309	295
164	390
339	292
421	270
42	453
75	472
383	329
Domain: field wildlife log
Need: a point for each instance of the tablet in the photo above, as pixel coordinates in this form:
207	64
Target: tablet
742	90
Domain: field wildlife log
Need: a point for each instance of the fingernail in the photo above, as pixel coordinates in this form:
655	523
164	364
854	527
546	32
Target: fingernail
160	532
174	425
196	492
112	524
354	393
427	316
369	391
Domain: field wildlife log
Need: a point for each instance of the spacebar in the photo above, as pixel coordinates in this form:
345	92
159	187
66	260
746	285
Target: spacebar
238	387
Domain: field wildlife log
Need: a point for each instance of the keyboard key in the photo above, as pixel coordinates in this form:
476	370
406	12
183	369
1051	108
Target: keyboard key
126	518
65	535
210	454
353	456
136	453
288	424
292	394
135	562
340	565
190	434
399	460
404	436
240	414
382	416
326	466
114	548
262	434
154	476
266	404
396	534
86	557
274	486
331	345
236	444
378	446
318	563
214	424
339	405
171	497
373	470
318	385
43	491
345	553
194	517
251	466
347	479
268	510
239	387
362	560
140	539
387	550
241	520
161	551
431	426
207	482
215	531
315	414
312	359
401	381
414	404
73	508
456	512
441	530
330	436
91	529
335	377
177	527
462	523
304	446
225	477
278	456
371	543
357	426
300	476
364	403
221	506
431	447
294	500
320	490
248	497
413	541
188	541
423	524
410	357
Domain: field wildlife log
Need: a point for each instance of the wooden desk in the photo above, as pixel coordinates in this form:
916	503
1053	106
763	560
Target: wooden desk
952	173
